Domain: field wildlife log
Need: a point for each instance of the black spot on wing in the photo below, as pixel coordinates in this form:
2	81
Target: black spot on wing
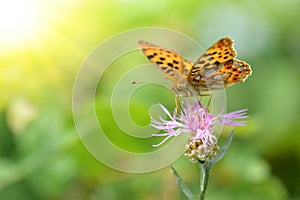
201	62
206	65
150	57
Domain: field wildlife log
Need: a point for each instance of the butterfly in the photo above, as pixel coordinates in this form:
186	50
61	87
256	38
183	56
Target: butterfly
217	68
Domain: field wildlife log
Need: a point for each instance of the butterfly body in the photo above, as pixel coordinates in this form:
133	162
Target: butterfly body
217	68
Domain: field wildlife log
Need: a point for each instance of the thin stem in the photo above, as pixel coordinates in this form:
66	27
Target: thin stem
204	168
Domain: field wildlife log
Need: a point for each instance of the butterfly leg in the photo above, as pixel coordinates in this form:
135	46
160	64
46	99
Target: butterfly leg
207	95
177	104
209	101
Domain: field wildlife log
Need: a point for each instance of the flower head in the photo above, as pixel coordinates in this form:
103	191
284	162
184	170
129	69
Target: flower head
198	122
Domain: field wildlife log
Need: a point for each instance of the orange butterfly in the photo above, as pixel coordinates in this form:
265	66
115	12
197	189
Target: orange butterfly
217	68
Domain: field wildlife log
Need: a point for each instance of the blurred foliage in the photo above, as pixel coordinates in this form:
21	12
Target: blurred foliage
41	156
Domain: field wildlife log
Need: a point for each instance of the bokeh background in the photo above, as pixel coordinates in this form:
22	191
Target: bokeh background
42	45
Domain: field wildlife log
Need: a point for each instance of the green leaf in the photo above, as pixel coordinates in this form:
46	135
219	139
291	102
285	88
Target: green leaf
223	150
182	185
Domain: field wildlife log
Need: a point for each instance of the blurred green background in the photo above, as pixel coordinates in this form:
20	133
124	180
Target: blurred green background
42	45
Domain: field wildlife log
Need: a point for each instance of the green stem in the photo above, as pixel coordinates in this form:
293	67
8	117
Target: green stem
204	170
206	167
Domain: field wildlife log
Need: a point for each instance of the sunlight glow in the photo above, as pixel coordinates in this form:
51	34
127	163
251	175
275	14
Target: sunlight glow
19	21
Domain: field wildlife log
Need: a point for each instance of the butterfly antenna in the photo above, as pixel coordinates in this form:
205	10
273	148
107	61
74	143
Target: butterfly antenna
143	82
139	82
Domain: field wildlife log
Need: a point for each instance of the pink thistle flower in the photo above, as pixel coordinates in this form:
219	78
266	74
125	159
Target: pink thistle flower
198	122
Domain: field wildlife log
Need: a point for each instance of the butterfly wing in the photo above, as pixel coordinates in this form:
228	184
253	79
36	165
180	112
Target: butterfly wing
217	67
168	61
